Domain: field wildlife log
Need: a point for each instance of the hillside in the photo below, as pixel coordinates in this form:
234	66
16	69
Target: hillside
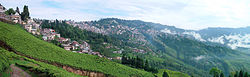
166	46
171	73
29	46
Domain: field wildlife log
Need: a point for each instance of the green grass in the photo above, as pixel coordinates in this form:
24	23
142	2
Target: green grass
171	73
25	43
47	69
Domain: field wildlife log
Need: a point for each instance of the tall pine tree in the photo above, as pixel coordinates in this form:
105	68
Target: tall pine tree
222	74
17	10
165	74
25	15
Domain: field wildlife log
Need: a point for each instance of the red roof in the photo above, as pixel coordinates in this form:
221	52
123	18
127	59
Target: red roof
75	42
61	38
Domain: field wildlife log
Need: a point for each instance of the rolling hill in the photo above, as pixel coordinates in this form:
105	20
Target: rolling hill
167	47
32	52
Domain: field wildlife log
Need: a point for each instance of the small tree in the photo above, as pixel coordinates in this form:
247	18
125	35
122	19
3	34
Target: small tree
165	74
241	74
215	72
222	74
10	11
246	74
17	10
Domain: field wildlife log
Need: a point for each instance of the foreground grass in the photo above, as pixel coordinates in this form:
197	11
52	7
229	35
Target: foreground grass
25	43
39	67
171	73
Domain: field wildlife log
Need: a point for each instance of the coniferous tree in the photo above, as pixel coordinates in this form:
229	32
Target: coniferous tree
215	72
236	74
123	59
25	14
222	74
139	62
10	11
146	66
246	74
165	74
241	74
17	10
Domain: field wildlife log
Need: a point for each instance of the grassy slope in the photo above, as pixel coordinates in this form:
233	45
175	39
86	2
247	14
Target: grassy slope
171	73
51	70
29	45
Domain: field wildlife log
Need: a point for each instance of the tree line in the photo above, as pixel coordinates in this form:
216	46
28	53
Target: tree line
137	62
216	72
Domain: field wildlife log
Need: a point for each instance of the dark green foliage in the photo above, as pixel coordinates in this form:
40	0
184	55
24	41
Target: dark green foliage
10	11
222	74
25	14
138	63
165	74
246	74
17	11
240	73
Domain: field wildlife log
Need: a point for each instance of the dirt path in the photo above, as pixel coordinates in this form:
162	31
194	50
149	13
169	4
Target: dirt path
18	72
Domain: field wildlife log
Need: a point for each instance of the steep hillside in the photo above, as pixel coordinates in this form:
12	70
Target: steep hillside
169	47
234	38
171	73
29	46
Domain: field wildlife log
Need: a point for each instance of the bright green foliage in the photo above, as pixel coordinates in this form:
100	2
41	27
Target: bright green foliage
215	72
4	63
29	45
50	70
10	11
171	73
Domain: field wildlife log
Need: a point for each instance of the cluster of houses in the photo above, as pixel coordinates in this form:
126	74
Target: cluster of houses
29	25
16	18
66	43
139	50
32	27
49	34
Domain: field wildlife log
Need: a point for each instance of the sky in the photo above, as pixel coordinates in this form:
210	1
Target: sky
185	14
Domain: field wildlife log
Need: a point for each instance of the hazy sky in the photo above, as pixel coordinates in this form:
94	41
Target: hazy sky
187	14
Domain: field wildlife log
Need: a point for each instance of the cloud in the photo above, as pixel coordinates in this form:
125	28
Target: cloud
197	36
187	14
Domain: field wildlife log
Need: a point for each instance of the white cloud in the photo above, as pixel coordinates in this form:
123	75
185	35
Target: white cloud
233	40
199	57
217	40
197	36
188	14
238	40
166	30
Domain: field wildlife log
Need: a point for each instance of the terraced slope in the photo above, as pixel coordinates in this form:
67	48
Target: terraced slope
171	73
29	46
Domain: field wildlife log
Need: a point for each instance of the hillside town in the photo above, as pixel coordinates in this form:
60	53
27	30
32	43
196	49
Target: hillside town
47	34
